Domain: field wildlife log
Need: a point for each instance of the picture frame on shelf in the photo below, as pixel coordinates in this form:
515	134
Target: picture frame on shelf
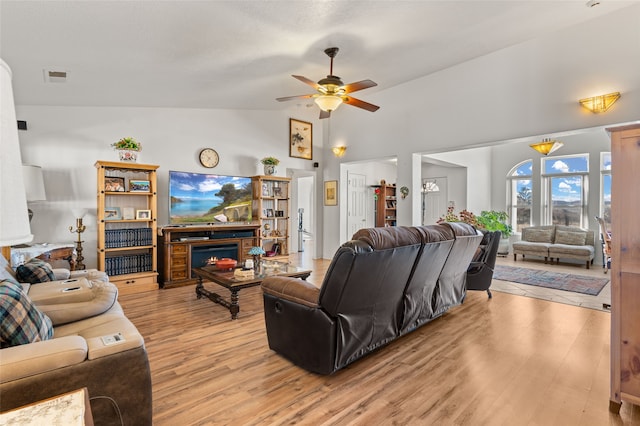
277	191
268	212
114	184
300	139
331	193
265	190
143	214
128	213
139	185
112	213
279	213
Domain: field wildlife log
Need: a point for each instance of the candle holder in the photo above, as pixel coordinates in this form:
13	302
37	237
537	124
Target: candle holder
80	228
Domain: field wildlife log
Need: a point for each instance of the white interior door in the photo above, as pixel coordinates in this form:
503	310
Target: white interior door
356	203
434	199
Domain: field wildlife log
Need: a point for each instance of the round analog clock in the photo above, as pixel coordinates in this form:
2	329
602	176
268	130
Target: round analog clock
209	157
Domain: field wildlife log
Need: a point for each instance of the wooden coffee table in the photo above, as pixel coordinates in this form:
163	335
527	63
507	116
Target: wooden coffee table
227	280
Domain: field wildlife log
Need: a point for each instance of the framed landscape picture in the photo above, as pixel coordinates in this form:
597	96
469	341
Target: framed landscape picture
112	213
139	186
300	139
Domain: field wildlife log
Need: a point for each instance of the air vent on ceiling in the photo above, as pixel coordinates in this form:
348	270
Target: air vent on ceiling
55	76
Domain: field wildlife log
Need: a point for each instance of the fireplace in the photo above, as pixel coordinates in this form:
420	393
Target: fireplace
200	255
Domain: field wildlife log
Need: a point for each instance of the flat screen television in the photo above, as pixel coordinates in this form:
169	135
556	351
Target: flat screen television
198	198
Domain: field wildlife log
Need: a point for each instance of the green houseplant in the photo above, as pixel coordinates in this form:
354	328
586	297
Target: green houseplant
270	164
493	220
128	149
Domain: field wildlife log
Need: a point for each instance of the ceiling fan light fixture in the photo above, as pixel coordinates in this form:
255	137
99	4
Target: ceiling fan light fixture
328	103
547	146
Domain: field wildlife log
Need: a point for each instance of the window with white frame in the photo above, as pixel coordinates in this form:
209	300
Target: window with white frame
520	195
565	182
605	188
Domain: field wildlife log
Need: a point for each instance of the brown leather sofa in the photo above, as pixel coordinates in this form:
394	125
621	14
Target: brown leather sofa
382	284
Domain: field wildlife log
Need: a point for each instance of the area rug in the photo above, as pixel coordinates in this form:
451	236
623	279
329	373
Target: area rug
557	280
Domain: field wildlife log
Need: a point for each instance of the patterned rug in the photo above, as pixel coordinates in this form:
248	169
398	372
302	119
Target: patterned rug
557	280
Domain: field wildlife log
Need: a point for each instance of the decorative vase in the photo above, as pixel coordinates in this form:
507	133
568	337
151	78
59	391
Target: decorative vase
128	155
256	263
269	169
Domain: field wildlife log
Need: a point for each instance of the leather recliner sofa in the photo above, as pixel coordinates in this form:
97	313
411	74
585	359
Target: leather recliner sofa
382	284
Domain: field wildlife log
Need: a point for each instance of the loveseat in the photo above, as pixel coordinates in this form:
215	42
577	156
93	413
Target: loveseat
63	335
382	284
555	242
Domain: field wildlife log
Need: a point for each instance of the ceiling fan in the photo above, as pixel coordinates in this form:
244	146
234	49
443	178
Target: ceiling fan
331	91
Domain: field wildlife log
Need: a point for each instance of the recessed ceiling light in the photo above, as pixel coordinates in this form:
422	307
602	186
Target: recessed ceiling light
55	76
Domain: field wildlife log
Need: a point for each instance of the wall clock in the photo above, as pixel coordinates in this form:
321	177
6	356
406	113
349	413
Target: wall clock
209	157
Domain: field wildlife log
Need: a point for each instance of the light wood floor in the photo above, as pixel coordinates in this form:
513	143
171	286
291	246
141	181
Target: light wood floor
511	360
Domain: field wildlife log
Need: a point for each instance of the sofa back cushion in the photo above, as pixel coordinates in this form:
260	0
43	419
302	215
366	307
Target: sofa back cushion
21	321
572	238
451	288
539	234
418	296
364	286
35	271
6	272
589	235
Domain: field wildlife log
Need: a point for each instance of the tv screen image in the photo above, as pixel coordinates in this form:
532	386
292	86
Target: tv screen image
206	198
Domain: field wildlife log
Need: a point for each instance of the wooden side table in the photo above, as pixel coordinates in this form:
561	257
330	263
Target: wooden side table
68	409
53	253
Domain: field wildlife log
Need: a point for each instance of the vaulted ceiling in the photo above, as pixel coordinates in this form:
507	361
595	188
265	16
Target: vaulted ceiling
241	54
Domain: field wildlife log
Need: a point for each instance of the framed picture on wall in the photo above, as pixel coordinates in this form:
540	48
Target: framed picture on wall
300	139
331	193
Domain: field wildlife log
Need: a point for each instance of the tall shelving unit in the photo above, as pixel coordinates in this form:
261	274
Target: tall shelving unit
127	245
386	206
271	208
625	267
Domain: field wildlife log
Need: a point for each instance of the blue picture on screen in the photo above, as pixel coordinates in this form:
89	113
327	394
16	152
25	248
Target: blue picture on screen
206	198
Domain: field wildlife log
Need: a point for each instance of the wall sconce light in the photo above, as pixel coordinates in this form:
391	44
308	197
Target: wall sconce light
339	151
80	228
547	146
597	104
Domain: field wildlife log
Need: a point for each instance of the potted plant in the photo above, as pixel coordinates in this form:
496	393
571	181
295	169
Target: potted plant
270	164
128	149
493	220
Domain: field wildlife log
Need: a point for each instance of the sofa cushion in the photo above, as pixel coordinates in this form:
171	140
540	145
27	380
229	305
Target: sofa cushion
6	272
90	301
35	271
538	235
21	321
570	238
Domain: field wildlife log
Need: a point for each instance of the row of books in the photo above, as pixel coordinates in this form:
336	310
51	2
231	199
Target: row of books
129	264
116	238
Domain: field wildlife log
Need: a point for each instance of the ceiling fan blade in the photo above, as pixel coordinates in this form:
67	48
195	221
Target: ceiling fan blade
289	98
360	104
325	114
305	80
358	85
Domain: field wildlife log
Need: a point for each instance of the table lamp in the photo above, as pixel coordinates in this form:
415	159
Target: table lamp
14	217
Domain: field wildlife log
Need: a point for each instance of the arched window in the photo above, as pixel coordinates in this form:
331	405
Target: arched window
520	195
565	184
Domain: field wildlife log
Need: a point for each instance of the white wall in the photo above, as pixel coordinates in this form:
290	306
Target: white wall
67	141
509	94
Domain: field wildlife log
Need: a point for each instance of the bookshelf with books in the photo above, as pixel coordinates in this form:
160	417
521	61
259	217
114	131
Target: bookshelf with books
127	224
386	205
271	209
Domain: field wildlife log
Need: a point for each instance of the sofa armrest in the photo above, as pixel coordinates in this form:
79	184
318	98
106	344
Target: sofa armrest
35	358
292	289
90	274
